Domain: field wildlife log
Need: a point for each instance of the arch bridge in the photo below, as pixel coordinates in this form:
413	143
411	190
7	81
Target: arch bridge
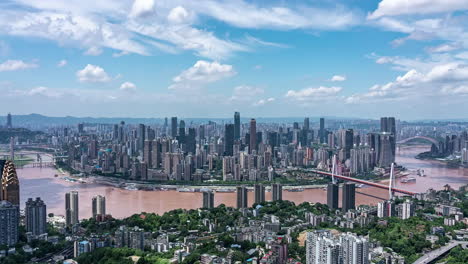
432	140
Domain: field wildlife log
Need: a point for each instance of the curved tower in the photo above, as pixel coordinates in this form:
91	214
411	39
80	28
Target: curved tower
9	190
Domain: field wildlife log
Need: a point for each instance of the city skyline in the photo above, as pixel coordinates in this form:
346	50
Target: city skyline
158	58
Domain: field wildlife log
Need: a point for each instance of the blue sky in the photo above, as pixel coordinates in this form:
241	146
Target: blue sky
155	58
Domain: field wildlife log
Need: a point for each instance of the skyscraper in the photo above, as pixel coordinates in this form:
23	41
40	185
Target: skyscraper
242	198
208	199
99	206
386	152
332	196
9	187
259	193
322	130
147	153
229	139
141	135
306	124
9	123
388	127
71	208
237	133
277	191
173	127
253	135
36	216
9	223
348	197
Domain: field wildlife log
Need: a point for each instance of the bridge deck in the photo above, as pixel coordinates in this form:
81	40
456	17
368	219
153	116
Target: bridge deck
373	184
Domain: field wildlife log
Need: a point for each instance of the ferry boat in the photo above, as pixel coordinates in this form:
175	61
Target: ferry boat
295	190
131	187
225	190
360	185
408	180
185	190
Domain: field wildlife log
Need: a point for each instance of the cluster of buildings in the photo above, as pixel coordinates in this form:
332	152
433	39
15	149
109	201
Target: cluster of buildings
236	151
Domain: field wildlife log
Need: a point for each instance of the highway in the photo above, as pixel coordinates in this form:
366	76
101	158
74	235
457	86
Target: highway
435	254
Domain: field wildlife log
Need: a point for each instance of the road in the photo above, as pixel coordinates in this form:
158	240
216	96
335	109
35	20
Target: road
433	255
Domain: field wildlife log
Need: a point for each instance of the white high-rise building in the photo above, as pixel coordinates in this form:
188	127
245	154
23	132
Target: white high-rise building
407	210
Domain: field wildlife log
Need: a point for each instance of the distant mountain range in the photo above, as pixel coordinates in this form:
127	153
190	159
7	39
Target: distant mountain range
37	120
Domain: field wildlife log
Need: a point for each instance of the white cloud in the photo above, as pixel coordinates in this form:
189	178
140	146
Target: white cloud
338	78
92	73
142	8
405	7
43	91
449	78
94	51
262	102
246	93
202	72
15	65
128	86
179	15
311	94
62	63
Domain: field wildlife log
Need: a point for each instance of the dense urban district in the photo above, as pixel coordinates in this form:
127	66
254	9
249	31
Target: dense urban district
238	156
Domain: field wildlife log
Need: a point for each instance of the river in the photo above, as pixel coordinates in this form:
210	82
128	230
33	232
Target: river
40	182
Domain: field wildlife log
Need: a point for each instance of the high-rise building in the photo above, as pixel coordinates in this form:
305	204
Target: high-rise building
229	139
9	186
407	209
386	154
237	132
71	208
99	206
322	130
242	198
36	216
332	196
208	199
9	223
385	209
324	248
253	136
387	125
147	153
306	124
9	123
174	127
259	193
348	197
277	191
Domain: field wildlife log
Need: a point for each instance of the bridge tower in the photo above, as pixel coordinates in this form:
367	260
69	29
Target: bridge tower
333	169
391	183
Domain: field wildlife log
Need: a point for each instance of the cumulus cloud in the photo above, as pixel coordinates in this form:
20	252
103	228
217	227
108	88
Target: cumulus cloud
449	78
179	15
93	51
16	65
338	78
62	63
142	8
405	7
311	93
262	102
128	86
202	72
92	73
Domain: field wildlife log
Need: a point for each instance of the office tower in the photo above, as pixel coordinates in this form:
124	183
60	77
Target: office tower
93	149
383	124
242	198
181	138
36	216
386	154
115	132
332	196
208	199
141	136
9	223
277	191
387	125
259	193
407	209
322	130
348	197
80	128
237	132
306	124
229	139
173	127
253	136
191	140
120	132
71	208
12	148
9	123
147	153
99	206
9	187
